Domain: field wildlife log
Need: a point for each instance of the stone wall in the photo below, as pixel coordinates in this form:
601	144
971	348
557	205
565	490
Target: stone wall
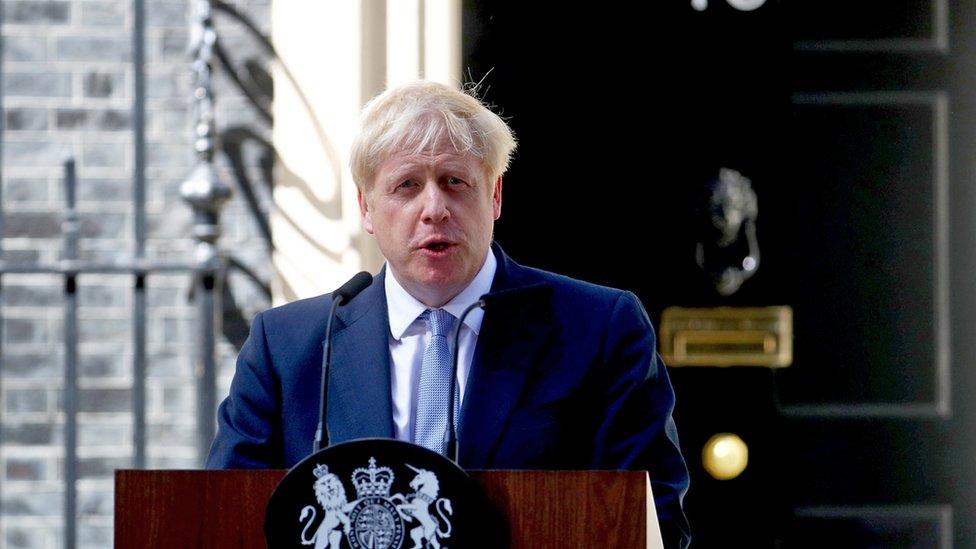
67	89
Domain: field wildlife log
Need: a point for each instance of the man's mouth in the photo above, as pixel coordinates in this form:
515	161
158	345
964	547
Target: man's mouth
436	247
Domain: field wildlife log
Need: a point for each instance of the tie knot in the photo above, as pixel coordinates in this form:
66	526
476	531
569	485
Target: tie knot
439	321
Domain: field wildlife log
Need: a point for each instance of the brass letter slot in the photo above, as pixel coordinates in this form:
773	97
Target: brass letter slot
727	336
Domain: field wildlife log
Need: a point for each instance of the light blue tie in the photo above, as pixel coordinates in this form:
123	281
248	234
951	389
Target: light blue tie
435	382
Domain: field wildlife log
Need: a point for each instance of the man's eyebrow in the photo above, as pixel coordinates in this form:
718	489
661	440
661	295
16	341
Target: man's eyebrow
459	166
402	169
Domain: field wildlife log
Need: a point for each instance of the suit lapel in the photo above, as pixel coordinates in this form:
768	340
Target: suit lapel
515	334
359	381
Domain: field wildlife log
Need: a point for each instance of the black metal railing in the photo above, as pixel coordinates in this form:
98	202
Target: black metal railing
209	266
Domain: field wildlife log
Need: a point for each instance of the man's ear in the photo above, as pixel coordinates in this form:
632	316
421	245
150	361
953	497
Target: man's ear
364	211
497	198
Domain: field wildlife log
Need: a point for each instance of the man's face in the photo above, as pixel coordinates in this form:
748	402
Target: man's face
432	214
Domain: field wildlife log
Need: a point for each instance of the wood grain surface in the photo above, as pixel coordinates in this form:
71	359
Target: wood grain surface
224	509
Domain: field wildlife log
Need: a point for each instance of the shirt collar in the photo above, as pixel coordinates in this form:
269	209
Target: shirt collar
404	308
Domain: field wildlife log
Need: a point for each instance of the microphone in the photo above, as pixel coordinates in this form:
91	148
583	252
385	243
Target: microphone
353	286
486	300
450	435
342	295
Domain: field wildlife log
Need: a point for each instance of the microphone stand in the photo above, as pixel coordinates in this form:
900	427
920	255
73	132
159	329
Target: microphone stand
343	294
450	434
326	361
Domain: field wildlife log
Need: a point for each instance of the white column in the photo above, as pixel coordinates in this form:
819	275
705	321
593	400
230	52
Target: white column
336	55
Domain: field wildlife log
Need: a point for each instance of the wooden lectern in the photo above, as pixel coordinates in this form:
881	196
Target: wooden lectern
223	509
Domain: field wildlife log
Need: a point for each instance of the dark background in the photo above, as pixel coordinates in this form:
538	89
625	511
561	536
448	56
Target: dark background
854	122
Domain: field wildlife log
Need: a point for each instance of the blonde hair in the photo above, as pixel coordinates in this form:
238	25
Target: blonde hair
414	116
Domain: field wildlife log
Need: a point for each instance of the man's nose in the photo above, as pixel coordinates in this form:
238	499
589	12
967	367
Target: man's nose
435	204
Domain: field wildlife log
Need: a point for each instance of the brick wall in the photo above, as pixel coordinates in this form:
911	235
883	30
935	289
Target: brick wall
67	85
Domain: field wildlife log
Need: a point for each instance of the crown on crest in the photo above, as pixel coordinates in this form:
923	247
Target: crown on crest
320	470
372	481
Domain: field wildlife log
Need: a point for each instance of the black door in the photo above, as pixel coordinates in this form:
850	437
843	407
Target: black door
854	123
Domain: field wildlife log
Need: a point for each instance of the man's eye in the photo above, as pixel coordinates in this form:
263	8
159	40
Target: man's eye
455	181
406	184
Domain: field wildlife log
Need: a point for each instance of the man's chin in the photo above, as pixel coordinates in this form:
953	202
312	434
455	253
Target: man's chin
435	287
441	280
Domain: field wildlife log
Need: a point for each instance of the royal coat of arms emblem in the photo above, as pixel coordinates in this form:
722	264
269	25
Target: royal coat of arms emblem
376	519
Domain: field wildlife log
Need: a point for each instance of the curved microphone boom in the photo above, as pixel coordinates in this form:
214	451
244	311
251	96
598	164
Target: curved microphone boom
342	295
450	434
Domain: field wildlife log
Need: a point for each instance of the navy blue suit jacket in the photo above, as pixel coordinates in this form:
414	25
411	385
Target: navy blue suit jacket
565	376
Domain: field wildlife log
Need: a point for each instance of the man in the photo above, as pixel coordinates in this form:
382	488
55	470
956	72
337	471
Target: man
555	373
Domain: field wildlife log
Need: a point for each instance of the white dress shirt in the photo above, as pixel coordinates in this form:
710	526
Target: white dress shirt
409	337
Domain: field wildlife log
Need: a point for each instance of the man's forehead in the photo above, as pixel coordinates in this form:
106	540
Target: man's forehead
439	144
406	159
428	155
